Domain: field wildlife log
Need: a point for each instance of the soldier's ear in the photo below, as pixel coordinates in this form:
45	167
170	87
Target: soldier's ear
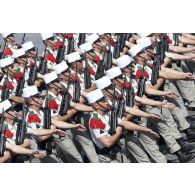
6	115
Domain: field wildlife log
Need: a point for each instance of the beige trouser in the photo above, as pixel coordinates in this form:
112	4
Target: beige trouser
134	149
83	138
179	112
150	145
166	127
67	149
186	88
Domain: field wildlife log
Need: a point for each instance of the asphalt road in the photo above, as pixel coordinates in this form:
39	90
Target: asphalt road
34	37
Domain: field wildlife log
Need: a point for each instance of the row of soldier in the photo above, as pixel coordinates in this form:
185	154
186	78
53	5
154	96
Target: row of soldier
102	97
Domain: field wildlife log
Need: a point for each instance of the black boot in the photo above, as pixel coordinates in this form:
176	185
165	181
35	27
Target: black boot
185	146
190	134
184	157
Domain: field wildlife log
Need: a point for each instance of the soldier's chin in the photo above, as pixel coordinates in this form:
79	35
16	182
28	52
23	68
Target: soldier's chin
108	107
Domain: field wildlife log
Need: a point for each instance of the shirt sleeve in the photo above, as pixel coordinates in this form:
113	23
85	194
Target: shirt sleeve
99	133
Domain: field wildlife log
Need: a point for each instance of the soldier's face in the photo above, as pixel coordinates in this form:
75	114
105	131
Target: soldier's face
31	53
10	39
51	43
103	104
57	85
91	55
11	69
119	82
127	71
11	114
65	76
98	46
36	101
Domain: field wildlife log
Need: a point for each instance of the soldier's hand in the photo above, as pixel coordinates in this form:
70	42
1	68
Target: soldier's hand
166	104
189	76
171	94
53	127
155	117
60	132
119	130
80	127
39	154
149	132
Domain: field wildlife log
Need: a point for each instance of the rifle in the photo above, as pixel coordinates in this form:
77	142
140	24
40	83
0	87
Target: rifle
81	38
113	115
21	82
5	90
113	125
122	40
70	45
23	37
176	38
65	101
141	84
43	63
158	58
33	71
121	106
76	88
116	52
87	78
47	123
61	52
109	57
101	66
22	126
2	135
130	93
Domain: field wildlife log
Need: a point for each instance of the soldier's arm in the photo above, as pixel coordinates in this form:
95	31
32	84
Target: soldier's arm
176	56
20	150
137	112
109	141
65	125
149	89
44	132
159	83
17	99
81	107
6	156
185	40
179	49
147	101
188	35
70	114
171	74
130	126
166	62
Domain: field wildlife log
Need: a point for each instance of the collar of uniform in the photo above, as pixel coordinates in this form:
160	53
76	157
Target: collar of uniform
53	95
34	111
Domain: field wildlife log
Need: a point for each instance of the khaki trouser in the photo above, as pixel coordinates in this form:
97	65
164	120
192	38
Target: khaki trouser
119	157
67	149
150	145
134	149
179	112
166	127
83	138
186	88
